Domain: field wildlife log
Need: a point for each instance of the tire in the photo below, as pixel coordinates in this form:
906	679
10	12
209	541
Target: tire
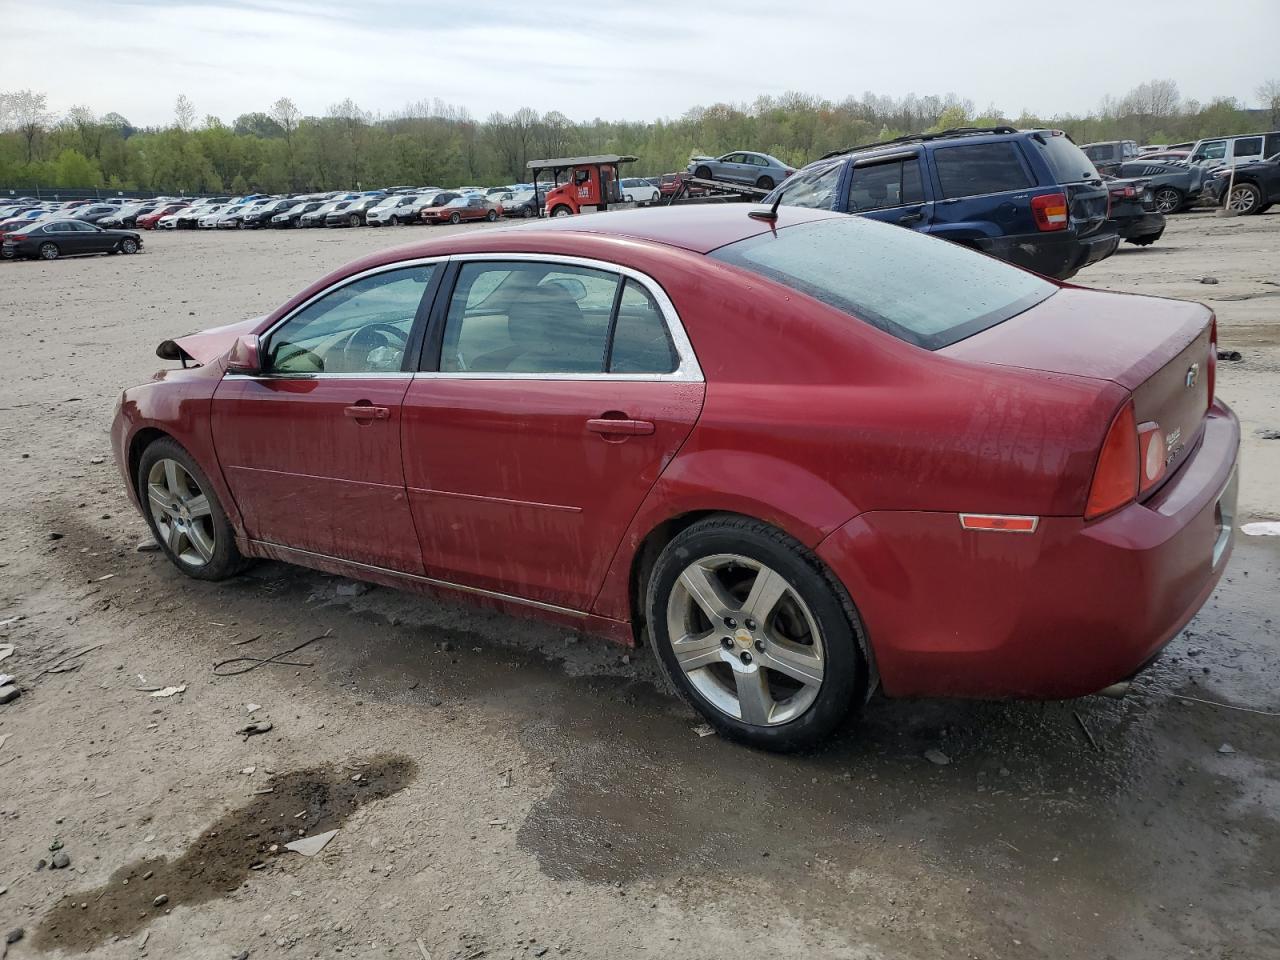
1264	208
393	221
49	251
561	211
702	173
528	212
491	216
354	220
455	218
734	655
1244	198
129	245
201	545
1168	200
765	183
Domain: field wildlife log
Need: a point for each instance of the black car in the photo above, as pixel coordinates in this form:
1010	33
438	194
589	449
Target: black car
351	214
93	212
126	218
1174	186
260	216
1133	212
51	239
290	215
1107	155
1255	188
522	203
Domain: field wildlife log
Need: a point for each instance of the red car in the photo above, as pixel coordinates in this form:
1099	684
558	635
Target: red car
802	457
148	221
466	207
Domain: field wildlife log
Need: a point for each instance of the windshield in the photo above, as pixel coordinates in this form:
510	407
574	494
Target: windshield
923	290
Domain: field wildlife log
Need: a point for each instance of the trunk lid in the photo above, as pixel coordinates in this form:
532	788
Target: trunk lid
1160	350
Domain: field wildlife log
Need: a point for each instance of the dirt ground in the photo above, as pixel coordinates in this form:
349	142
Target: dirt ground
502	789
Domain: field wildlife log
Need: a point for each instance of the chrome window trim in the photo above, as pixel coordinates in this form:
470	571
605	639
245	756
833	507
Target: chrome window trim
687	369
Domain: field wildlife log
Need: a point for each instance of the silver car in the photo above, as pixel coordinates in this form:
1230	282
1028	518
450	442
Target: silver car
753	169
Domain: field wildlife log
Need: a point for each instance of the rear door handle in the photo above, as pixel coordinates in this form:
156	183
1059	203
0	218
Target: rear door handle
624	428
364	411
912	217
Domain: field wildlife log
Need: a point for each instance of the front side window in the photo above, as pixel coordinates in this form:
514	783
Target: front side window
813	188
920	289
361	327
1213	151
975	169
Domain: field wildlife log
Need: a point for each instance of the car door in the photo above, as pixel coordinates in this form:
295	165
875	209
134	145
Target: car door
555	395
984	189
311	447
95	239
890	189
77	237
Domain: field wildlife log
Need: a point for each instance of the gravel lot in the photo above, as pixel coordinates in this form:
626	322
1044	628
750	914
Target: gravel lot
524	792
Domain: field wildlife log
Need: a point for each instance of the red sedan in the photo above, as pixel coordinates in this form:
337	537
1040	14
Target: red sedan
802	458
148	221
468	207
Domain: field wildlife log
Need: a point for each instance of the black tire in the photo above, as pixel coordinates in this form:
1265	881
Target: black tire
49	251
845	674
226	560
1168	200
765	183
1143	241
491	216
455	218
393	221
528	212
702	173
354	220
562	211
129	245
1264	208
1245	198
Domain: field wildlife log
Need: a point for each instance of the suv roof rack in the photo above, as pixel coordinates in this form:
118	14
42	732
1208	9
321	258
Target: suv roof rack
922	137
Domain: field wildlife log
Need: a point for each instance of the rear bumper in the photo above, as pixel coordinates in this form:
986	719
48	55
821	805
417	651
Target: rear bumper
1059	255
1148	224
1062	612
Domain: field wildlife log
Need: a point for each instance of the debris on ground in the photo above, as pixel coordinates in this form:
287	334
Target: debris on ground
64	665
1233	355
1263	528
353	588
1209	280
60	861
704	730
14	935
936	756
254	729
255	662
1267	434
6	650
252	707
169	691
503	781
161	900
422	949
148	546
1226	748
310	846
9	693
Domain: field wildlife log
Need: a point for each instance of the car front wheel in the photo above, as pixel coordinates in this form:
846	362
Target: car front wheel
1244	198
184	513
129	245
755	634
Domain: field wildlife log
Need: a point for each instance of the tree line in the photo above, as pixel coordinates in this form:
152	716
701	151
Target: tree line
280	150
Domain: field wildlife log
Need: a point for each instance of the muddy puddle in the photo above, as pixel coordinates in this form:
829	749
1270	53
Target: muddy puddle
219	860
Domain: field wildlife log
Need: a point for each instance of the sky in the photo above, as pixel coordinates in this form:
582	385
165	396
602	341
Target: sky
623	60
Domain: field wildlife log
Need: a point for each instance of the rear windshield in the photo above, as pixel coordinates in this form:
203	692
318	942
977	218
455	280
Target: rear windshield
923	290
1067	161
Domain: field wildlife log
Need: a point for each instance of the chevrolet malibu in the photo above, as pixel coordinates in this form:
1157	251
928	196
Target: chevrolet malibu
801	455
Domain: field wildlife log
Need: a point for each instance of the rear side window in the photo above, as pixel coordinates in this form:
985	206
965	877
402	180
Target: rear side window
884	185
977	168
641	341
813	188
923	290
1067	162
1247	147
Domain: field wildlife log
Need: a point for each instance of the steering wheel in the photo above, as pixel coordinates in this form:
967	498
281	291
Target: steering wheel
355	352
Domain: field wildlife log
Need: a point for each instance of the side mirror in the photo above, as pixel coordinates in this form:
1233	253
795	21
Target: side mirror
245	356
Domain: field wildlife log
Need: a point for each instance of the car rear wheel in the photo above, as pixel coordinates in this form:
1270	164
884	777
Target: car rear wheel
702	173
491	216
755	634
49	251
765	183
1244	198
128	245
1167	200
184	513
455	218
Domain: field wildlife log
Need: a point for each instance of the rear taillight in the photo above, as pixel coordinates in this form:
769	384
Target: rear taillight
1213	358
1050	211
1115	478
15	236
1151	454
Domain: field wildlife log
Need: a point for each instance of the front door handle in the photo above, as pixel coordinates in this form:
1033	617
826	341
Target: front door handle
365	411
620	428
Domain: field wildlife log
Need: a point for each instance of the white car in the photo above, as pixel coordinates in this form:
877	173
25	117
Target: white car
635	190
395	210
188	213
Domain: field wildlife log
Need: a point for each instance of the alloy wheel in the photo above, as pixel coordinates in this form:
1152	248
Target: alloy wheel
745	639
1167	200
181	511
1242	199
49	251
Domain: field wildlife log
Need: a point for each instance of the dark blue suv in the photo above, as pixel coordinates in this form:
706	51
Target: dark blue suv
1030	197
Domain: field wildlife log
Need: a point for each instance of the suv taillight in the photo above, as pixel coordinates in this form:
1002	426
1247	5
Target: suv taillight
1115	478
1050	211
